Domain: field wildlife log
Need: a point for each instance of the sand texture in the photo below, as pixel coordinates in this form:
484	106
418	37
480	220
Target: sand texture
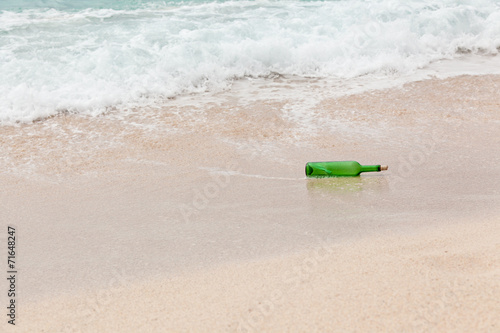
197	216
446	280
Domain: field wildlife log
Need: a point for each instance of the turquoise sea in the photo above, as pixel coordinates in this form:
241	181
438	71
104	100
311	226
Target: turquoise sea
86	56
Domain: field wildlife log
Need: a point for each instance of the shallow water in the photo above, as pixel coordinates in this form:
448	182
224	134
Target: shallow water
90	56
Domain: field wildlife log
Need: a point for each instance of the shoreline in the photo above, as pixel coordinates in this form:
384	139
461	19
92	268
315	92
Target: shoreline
244	88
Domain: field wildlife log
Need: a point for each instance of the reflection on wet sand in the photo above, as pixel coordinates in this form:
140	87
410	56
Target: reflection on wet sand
347	206
347	187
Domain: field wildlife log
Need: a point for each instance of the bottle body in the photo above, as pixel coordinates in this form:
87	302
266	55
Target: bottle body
339	169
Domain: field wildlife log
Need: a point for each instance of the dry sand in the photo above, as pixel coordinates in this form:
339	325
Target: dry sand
185	218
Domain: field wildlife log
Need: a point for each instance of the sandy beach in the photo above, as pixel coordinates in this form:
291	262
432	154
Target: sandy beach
197	216
440	280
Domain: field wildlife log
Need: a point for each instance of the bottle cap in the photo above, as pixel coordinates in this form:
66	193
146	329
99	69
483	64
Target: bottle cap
384	167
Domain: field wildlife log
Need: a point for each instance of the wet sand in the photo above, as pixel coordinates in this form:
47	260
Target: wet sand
183	217
441	280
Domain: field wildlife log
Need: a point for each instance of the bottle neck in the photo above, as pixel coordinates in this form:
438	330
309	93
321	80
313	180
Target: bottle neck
370	168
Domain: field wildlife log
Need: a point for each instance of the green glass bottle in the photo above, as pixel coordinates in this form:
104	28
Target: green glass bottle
340	168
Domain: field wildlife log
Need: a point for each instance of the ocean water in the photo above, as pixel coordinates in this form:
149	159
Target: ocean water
88	56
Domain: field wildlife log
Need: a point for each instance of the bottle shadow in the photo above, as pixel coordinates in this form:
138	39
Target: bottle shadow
347	188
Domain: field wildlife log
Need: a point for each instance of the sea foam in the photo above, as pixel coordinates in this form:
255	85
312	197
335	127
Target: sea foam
75	59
